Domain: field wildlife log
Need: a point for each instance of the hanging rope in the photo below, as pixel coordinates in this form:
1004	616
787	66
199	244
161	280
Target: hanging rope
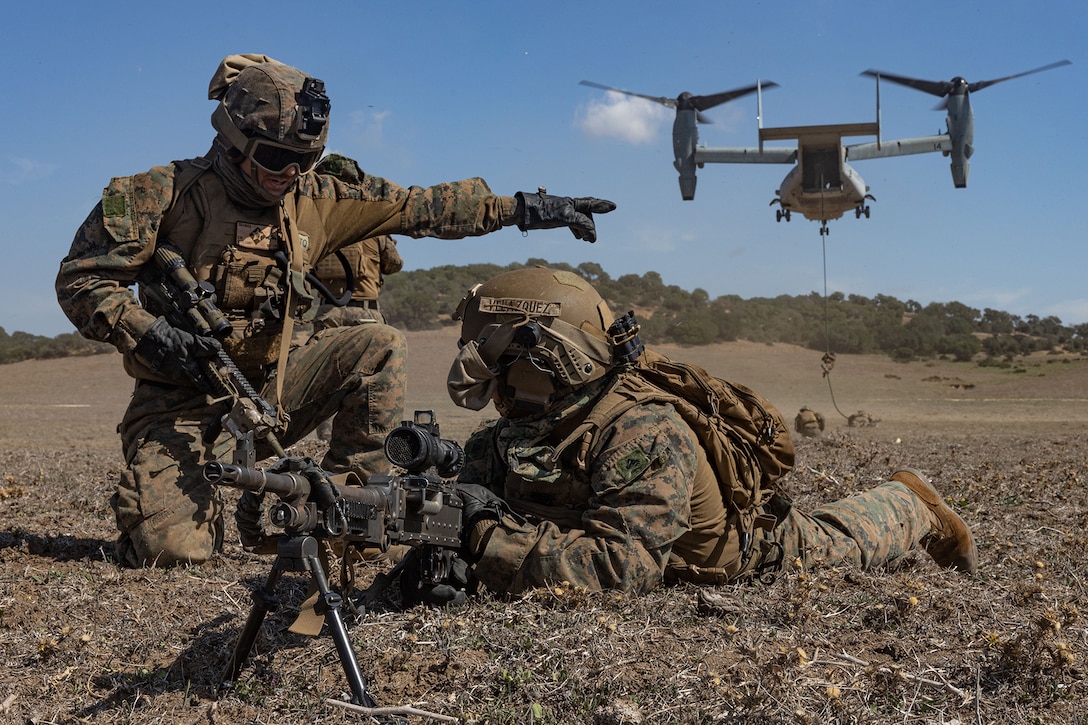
827	362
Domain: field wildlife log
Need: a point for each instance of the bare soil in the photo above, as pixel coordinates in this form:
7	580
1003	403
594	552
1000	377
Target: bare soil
84	641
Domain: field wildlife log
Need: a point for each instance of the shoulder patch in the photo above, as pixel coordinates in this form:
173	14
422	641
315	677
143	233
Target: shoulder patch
118	209
113	205
633	465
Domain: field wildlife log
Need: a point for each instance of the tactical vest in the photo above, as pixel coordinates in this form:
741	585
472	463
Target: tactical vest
235	250
744	441
365	266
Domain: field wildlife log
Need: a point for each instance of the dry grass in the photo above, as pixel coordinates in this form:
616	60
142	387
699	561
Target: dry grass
83	641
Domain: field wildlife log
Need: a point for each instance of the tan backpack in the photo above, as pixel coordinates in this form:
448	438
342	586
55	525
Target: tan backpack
745	437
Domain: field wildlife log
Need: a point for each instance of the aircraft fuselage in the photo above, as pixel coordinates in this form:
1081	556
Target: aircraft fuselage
822	197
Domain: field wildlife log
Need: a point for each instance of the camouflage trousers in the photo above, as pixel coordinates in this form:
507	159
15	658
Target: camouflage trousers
167	514
332	316
866	530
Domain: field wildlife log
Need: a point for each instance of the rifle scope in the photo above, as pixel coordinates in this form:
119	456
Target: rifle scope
415	447
199	301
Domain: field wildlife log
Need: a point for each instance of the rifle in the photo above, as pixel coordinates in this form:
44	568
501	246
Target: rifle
418	508
191	306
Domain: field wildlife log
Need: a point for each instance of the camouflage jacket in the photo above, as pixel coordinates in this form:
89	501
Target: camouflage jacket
119	236
611	521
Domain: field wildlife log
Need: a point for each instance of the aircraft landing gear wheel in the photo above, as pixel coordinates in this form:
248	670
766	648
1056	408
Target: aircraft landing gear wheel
866	212
778	215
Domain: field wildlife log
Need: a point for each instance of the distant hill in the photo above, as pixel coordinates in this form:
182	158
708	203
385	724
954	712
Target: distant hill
849	324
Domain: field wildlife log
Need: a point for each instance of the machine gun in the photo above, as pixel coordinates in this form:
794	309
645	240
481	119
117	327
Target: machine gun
189	305
418	508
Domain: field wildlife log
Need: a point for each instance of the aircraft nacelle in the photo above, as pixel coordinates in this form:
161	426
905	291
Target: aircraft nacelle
685	137
960	123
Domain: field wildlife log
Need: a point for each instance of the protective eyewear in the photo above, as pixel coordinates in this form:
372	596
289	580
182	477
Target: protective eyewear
277	158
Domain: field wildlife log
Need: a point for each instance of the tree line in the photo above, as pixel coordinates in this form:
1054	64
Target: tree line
839	323
848	324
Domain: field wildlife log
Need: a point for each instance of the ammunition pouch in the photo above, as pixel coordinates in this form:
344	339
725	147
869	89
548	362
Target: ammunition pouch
251	287
254	345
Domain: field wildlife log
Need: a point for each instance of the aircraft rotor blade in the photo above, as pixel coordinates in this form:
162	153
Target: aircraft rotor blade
943	88
705	103
663	100
935	88
979	85
687	100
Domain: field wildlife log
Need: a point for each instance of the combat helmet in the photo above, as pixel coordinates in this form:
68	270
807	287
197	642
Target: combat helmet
559	340
270	112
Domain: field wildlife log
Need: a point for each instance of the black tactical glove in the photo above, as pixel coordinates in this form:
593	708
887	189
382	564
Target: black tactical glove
452	591
541	211
483	509
249	517
176	354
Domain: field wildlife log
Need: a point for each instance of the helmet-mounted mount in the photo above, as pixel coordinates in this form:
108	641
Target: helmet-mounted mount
626	344
313	109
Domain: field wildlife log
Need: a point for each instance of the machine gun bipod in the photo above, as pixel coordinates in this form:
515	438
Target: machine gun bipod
300	554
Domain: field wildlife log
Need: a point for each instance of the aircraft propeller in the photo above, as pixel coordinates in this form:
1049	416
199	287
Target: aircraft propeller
958	86
688	102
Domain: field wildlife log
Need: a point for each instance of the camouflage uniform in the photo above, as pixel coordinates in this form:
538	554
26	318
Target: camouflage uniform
369	259
861	419
165	511
635	507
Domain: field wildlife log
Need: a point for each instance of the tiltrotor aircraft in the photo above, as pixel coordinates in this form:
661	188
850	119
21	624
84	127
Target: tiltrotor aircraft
822	186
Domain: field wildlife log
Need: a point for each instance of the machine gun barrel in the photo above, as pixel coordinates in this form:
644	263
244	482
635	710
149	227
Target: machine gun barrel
287	486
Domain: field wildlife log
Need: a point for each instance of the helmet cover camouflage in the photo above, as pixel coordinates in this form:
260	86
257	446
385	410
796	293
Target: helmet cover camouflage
265	100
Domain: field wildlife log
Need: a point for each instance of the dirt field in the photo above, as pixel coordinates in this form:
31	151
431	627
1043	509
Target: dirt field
83	641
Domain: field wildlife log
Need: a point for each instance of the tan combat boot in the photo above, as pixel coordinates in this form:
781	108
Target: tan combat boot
950	543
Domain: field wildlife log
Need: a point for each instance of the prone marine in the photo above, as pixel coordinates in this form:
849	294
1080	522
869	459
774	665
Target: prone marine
598	473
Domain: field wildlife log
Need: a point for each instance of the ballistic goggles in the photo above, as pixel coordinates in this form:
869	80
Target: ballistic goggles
277	158
558	348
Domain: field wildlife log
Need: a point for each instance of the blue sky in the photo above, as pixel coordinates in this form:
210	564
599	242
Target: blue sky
424	92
